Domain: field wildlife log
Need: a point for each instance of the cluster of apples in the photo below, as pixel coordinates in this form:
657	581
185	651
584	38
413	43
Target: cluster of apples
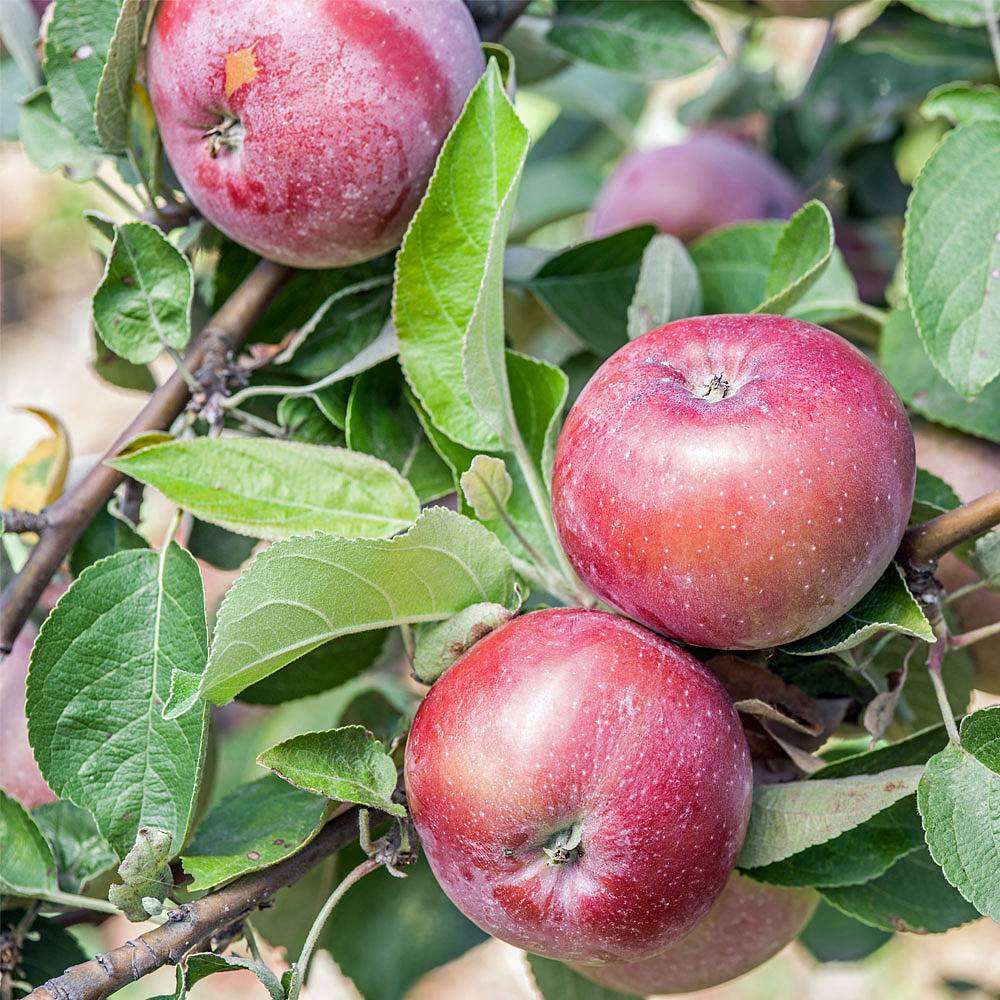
581	783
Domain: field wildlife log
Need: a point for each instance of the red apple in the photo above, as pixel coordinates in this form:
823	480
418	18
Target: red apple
19	774
307	130
748	924
709	181
734	482
581	786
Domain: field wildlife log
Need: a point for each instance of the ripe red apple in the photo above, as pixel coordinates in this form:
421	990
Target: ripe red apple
19	774
709	181
735	482
581	786
748	924
307	130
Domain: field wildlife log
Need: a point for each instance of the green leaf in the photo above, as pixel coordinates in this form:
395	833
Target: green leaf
255	826
113	101
487	486
328	666
967	13
832	936
117	371
381	422
80	852
46	952
316	417
911	896
346	765
855	856
644	39
27	867
76	48
801	253
924	390
144	299
19	32
931	497
303	592
959	800
952	256
276	489
440	645
557	981
50	145
551	190
218	547
416	926
787	818
667	289
448	295
589	286
201	965
100	673
888	606
986	558
106	534
146	878
915	749
962	103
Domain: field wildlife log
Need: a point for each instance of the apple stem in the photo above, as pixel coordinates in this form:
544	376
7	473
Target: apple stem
565	846
925	543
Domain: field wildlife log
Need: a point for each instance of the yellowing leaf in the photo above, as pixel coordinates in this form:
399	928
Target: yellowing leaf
38	479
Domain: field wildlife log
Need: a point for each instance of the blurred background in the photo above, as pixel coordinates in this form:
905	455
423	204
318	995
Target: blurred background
47	359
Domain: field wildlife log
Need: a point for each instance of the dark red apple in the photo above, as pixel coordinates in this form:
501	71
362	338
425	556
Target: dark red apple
735	482
581	786
307	129
709	181
748	924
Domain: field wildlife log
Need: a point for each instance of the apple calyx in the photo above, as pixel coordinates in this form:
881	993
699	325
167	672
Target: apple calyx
565	846
227	134
716	388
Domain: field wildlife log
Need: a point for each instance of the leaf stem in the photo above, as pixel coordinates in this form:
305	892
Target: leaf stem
117	196
83	902
301	966
959	592
975	635
935	659
150	201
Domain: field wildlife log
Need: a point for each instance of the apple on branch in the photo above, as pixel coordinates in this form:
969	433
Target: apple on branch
581	786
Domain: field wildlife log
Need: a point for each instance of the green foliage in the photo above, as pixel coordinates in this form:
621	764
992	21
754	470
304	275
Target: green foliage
451	343
968	13
931	497
254	826
79	850
277	489
101	672
303	592
107	534
143	302
962	103
788	818
28	868
802	251
49	144
888	606
440	645
832	936
959	799
954	204
145	876
667	287
487	486
346	764
113	100
647	39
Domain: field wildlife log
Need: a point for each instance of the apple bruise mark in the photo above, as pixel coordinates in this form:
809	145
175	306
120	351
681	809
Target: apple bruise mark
241	68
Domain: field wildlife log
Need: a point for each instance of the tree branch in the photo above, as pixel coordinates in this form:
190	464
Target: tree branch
195	922
925	543
19	522
69	515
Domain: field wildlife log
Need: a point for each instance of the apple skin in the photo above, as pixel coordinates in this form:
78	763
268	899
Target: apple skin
739	521
19	774
748	924
564	717
338	110
686	190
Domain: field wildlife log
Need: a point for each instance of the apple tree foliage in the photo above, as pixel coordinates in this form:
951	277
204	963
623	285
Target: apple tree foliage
378	392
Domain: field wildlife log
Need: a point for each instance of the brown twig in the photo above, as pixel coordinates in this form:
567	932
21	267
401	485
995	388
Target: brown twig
19	522
195	922
69	515
925	543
